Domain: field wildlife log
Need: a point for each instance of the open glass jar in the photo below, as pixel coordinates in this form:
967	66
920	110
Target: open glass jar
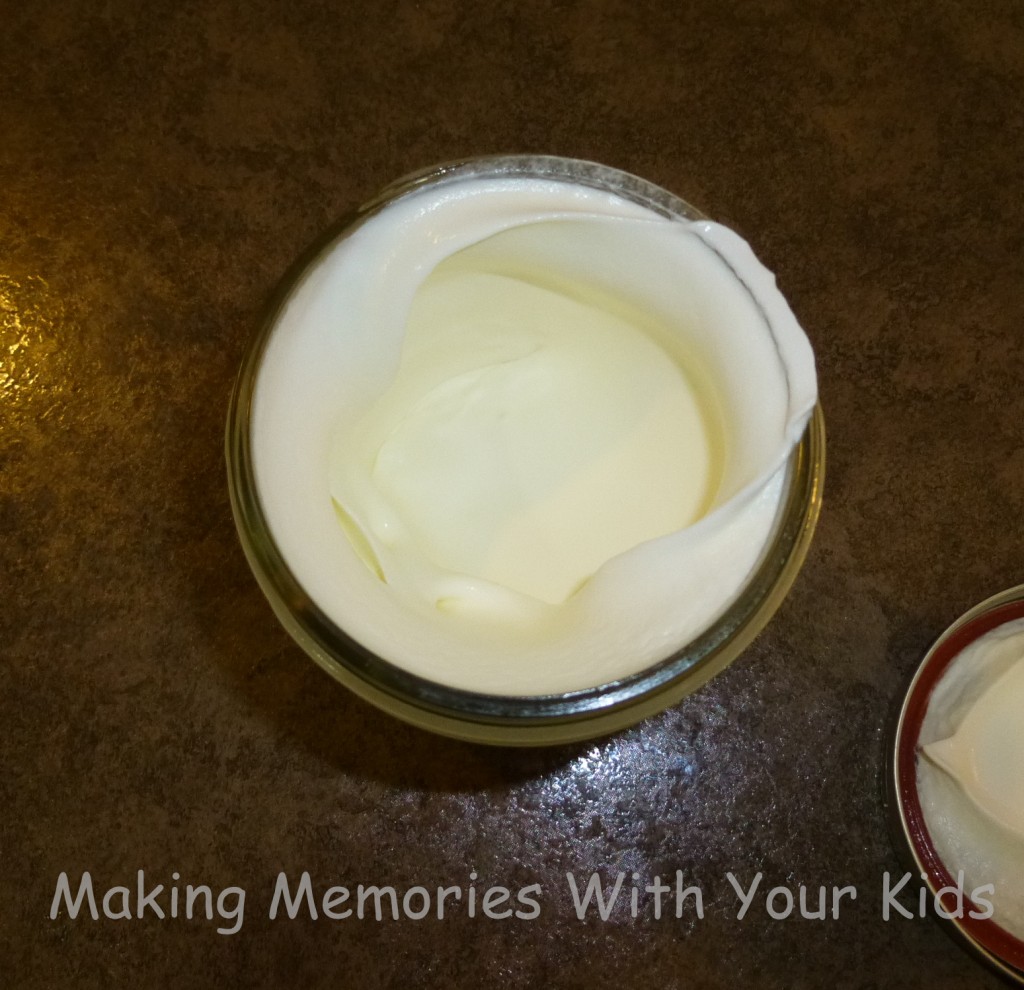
942	834
277	487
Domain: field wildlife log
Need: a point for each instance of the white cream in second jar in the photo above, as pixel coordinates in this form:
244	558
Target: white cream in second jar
969	776
521	436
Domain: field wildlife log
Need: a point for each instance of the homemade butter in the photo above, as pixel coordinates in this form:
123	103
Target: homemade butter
970	784
529	437
521	436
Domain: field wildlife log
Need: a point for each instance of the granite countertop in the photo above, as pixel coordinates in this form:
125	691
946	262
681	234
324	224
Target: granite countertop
162	164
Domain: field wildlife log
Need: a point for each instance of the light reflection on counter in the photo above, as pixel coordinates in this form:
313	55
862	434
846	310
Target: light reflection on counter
31	325
604	799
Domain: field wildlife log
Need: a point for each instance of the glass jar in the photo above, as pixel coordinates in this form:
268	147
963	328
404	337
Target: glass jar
499	719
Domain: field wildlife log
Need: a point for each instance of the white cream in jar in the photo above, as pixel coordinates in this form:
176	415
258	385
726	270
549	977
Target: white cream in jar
521	436
970	781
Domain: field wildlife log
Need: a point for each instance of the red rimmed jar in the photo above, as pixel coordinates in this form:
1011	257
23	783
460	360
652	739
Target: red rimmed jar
996	946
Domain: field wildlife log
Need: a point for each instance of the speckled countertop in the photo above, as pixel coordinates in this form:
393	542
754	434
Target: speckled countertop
162	164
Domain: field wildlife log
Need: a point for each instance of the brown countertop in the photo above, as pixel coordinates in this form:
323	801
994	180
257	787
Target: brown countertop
160	167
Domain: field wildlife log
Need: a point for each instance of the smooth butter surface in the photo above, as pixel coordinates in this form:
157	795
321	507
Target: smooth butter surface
528	437
986	753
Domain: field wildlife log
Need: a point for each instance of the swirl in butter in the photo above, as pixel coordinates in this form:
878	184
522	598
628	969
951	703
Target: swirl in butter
522	436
